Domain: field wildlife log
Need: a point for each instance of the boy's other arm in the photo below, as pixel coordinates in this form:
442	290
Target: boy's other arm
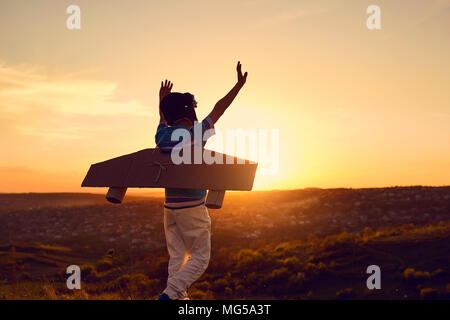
165	89
225	102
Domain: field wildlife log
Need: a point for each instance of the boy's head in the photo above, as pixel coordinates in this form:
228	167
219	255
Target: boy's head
179	108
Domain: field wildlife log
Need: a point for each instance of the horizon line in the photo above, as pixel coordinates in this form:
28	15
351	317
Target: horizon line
137	194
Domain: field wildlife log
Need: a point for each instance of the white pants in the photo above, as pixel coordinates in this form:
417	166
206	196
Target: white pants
188	234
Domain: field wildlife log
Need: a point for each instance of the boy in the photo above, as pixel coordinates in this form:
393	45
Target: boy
187	224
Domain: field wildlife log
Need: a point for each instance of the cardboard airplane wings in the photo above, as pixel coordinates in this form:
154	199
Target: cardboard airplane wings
151	168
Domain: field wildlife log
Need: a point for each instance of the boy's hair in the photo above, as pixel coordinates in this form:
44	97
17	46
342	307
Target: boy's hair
176	106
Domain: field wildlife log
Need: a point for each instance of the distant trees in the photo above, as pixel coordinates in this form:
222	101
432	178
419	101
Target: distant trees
414	276
250	260
103	265
346	293
219	285
428	294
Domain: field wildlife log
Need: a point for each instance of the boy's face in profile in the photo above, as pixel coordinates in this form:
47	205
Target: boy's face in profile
187	122
179	109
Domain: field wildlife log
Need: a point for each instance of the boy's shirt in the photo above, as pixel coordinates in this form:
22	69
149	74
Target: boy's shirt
182	198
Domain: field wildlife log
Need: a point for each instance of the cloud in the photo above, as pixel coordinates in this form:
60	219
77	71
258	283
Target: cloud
438	6
20	88
429	12
440	114
289	15
33	103
15	170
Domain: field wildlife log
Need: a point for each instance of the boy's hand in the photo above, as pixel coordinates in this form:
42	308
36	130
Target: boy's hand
165	89
241	78
225	102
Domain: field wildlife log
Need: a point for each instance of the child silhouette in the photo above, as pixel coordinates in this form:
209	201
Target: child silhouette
187	224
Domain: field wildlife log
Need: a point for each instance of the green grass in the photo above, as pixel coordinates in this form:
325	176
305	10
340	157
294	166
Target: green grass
318	268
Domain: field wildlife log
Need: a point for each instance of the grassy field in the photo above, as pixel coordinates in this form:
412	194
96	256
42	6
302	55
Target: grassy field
300	244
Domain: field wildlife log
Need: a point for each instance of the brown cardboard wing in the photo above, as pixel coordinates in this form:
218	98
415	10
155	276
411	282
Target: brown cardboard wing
151	168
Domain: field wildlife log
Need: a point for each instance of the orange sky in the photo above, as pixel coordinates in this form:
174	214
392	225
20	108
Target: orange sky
354	107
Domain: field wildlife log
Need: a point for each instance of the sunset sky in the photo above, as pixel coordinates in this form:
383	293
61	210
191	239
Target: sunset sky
354	107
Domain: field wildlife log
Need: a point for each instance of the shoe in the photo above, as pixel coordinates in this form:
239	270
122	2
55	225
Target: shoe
163	296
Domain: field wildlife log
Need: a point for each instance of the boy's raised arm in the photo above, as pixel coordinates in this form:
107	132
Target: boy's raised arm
225	102
165	89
